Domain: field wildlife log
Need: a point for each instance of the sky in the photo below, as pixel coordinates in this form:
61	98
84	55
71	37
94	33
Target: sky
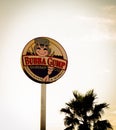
87	31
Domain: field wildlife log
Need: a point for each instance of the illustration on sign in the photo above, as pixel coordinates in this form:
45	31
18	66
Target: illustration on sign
44	60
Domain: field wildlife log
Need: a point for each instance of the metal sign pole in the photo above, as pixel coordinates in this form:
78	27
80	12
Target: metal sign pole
43	107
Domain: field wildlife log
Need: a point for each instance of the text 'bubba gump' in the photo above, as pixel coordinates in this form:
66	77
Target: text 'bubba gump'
46	61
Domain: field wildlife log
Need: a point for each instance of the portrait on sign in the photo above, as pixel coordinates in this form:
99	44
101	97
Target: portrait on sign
44	60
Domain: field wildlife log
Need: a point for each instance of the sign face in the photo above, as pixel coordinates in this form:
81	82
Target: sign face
44	60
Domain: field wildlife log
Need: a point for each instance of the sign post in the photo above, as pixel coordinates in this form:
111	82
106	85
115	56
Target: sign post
43	107
44	61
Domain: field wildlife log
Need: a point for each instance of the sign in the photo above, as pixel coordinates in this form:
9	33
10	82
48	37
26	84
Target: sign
44	60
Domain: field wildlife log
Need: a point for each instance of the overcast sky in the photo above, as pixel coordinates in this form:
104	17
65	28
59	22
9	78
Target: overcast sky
87	31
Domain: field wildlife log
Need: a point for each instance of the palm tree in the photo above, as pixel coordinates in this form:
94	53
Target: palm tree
84	114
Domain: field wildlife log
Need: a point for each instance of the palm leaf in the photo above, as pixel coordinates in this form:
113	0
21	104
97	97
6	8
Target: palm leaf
102	125
99	110
66	110
70	120
88	100
69	128
77	95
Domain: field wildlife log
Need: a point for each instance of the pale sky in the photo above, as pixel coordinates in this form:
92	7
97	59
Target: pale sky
87	31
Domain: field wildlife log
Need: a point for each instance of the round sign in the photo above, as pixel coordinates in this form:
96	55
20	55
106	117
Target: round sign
44	60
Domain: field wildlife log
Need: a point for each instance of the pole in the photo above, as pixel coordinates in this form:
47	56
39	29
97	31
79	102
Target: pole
43	107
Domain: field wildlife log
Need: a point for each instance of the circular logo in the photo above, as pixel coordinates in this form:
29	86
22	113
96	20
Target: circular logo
44	60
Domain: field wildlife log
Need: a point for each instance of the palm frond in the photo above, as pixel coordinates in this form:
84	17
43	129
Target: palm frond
98	111
66	110
69	128
100	107
84	127
71	104
102	125
88	101
89	97
70	120
77	95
